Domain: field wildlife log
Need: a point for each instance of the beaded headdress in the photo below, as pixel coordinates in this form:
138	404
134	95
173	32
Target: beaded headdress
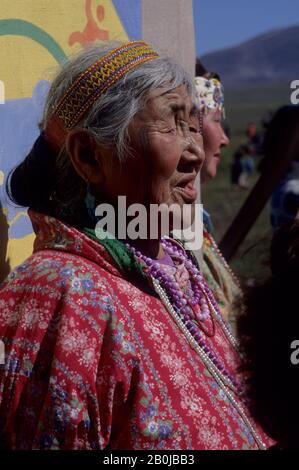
209	94
93	83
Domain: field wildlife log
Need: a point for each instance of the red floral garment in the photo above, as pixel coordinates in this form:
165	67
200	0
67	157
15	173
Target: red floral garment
93	361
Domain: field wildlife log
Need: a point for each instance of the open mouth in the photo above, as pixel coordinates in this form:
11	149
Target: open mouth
186	188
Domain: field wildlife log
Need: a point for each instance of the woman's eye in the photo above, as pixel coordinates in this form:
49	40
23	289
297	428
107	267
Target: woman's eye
193	129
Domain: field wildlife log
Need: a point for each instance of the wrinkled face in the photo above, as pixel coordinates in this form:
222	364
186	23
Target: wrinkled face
167	153
214	139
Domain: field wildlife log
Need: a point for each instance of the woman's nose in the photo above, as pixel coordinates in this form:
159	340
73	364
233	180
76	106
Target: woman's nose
224	139
194	152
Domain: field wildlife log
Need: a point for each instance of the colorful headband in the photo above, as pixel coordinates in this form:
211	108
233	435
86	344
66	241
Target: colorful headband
93	83
209	94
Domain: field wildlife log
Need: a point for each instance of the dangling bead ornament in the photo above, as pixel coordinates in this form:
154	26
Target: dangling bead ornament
191	303
194	305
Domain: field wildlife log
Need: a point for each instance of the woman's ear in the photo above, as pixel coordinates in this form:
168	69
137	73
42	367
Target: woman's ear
85	155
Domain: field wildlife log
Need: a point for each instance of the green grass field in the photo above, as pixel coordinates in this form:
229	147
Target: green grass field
223	200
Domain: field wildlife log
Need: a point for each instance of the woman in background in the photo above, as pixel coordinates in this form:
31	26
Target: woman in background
221	279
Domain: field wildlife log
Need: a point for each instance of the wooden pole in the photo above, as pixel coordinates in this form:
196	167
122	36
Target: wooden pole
169	26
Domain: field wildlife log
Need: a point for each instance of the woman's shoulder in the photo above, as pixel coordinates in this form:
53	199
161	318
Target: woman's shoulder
49	282
55	298
58	321
54	268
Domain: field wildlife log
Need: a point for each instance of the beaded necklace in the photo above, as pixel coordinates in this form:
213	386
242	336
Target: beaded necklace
215	248
195	310
129	259
219	377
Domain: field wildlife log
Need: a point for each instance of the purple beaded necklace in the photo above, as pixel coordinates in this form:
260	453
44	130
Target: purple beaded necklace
193	309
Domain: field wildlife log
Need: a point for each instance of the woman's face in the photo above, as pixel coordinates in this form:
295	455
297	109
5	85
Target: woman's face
167	153
214	139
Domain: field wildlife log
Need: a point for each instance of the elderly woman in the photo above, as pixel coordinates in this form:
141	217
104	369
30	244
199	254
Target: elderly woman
221	279
111	344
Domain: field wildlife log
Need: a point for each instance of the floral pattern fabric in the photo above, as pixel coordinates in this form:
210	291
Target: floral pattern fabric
221	280
91	360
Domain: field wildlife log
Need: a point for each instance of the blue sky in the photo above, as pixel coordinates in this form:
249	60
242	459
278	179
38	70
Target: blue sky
224	23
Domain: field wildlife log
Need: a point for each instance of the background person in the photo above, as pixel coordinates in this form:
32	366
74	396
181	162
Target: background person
243	166
221	279
282	132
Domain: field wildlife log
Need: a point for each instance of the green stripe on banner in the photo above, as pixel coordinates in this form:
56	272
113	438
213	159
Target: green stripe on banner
17	27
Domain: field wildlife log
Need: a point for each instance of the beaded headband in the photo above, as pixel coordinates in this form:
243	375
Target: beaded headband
209	94
93	83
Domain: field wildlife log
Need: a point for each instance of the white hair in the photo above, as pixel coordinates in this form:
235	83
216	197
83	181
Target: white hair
110	116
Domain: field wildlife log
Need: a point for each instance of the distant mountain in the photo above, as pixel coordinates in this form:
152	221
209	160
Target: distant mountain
270	57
